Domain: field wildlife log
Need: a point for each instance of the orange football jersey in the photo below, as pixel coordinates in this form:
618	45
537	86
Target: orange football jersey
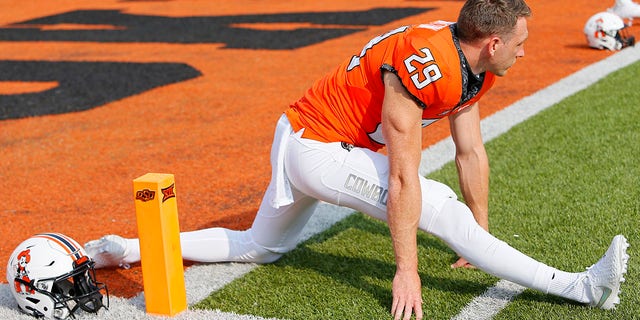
346	104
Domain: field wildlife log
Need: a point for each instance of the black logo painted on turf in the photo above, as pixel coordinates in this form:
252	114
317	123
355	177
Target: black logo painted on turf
83	85
233	31
86	85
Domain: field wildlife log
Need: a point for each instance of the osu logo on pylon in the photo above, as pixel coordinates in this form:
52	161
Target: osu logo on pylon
145	195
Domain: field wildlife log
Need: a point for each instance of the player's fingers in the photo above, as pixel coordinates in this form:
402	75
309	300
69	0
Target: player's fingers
418	310
398	314
408	310
399	309
460	263
394	306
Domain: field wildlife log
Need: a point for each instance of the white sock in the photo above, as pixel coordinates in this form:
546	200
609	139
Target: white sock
560	283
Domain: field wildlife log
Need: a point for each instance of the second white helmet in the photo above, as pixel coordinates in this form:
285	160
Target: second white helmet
605	30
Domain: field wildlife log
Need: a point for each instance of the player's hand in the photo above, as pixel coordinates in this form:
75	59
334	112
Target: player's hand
407	295
462	263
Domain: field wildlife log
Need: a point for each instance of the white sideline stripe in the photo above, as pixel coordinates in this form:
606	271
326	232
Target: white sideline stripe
202	280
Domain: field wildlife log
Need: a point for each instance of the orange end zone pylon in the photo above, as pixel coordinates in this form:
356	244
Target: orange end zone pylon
160	252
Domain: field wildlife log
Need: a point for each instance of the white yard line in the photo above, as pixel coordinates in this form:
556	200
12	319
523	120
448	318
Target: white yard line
201	280
487	305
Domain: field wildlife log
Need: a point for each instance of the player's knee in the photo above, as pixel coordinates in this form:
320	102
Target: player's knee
454	222
245	248
438	191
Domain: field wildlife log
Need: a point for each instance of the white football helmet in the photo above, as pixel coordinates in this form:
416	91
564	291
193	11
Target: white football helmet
605	30
52	277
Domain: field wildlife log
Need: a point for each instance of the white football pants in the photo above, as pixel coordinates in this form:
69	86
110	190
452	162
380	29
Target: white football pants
357	179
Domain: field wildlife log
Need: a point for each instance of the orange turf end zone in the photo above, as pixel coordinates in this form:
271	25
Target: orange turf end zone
159	233
72	172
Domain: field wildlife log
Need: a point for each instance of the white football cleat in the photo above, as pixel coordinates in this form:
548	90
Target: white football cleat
604	277
626	9
108	251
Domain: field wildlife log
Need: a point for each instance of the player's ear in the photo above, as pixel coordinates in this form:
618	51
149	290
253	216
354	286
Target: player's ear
493	44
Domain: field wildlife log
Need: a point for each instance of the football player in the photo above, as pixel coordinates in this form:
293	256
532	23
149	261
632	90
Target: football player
326	146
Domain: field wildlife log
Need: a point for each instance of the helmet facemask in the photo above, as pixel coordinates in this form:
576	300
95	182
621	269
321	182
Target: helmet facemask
624	38
79	290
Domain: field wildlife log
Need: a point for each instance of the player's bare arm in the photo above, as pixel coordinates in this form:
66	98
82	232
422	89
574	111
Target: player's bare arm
401	123
472	162
473	165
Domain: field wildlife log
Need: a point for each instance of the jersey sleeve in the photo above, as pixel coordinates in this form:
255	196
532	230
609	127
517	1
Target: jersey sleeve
427	63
